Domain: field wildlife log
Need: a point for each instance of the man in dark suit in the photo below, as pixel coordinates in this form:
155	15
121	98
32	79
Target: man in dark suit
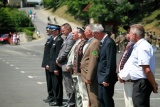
54	70
106	73
62	61
45	65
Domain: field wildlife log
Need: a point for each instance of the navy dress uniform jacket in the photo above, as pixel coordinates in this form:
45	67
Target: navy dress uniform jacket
54	51
46	54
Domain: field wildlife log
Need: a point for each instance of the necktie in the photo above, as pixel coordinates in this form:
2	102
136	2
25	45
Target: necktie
126	55
100	44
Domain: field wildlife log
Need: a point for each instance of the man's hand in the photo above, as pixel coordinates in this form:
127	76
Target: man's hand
58	64
155	88
120	80
69	69
105	84
88	81
56	72
47	67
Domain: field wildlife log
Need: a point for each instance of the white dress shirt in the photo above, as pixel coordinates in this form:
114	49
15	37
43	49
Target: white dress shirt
142	54
104	38
87	43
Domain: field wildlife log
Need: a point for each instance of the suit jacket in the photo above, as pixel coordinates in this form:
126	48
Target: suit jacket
46	54
54	51
89	61
65	49
107	62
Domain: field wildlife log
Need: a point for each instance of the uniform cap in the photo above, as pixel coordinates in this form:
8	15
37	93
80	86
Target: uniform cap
47	28
80	29
54	28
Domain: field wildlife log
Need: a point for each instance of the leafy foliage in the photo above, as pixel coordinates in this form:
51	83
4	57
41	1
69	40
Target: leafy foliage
99	10
11	19
108	10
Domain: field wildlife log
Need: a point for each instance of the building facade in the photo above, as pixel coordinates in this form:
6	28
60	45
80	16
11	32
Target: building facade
23	3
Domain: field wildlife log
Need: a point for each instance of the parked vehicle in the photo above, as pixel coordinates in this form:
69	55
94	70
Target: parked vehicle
4	38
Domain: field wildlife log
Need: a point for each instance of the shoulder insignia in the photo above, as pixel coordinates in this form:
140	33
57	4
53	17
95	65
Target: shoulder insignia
94	53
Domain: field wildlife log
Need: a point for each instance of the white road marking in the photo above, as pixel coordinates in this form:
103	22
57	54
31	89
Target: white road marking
11	65
123	98
22	72
31	76
41	82
4	60
16	68
157	79
157	74
34	55
7	62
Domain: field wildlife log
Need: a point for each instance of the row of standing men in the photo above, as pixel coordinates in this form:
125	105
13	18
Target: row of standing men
88	54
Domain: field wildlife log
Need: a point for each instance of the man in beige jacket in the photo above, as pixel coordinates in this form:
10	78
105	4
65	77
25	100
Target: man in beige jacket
89	66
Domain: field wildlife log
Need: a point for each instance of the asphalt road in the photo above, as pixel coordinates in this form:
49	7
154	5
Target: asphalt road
22	80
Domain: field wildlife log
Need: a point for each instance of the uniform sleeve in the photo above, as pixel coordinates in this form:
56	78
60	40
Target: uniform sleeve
58	47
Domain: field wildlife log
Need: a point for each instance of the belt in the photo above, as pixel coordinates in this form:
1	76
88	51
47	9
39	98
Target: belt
76	73
130	80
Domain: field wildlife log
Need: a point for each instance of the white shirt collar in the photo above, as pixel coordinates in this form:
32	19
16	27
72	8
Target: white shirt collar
89	40
137	43
104	38
55	38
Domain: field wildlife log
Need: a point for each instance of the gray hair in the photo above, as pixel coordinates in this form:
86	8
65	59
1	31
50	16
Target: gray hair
138	29
89	26
97	28
67	26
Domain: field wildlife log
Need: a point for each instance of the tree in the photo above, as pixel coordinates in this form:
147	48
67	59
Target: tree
5	2
108	10
12	22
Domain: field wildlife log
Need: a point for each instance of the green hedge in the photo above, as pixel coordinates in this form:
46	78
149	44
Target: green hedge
28	30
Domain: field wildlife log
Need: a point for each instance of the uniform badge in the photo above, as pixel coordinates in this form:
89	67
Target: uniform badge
94	53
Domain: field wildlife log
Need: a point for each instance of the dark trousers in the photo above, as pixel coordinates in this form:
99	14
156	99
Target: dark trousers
106	95
141	93
58	87
68	83
49	84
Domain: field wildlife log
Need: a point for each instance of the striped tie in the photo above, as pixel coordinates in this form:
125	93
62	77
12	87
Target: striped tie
126	55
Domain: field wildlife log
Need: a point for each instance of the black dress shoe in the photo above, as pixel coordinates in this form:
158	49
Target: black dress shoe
55	103
71	106
48	100
66	105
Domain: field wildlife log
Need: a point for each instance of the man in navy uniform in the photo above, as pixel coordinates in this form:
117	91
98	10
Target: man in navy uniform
45	65
55	70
